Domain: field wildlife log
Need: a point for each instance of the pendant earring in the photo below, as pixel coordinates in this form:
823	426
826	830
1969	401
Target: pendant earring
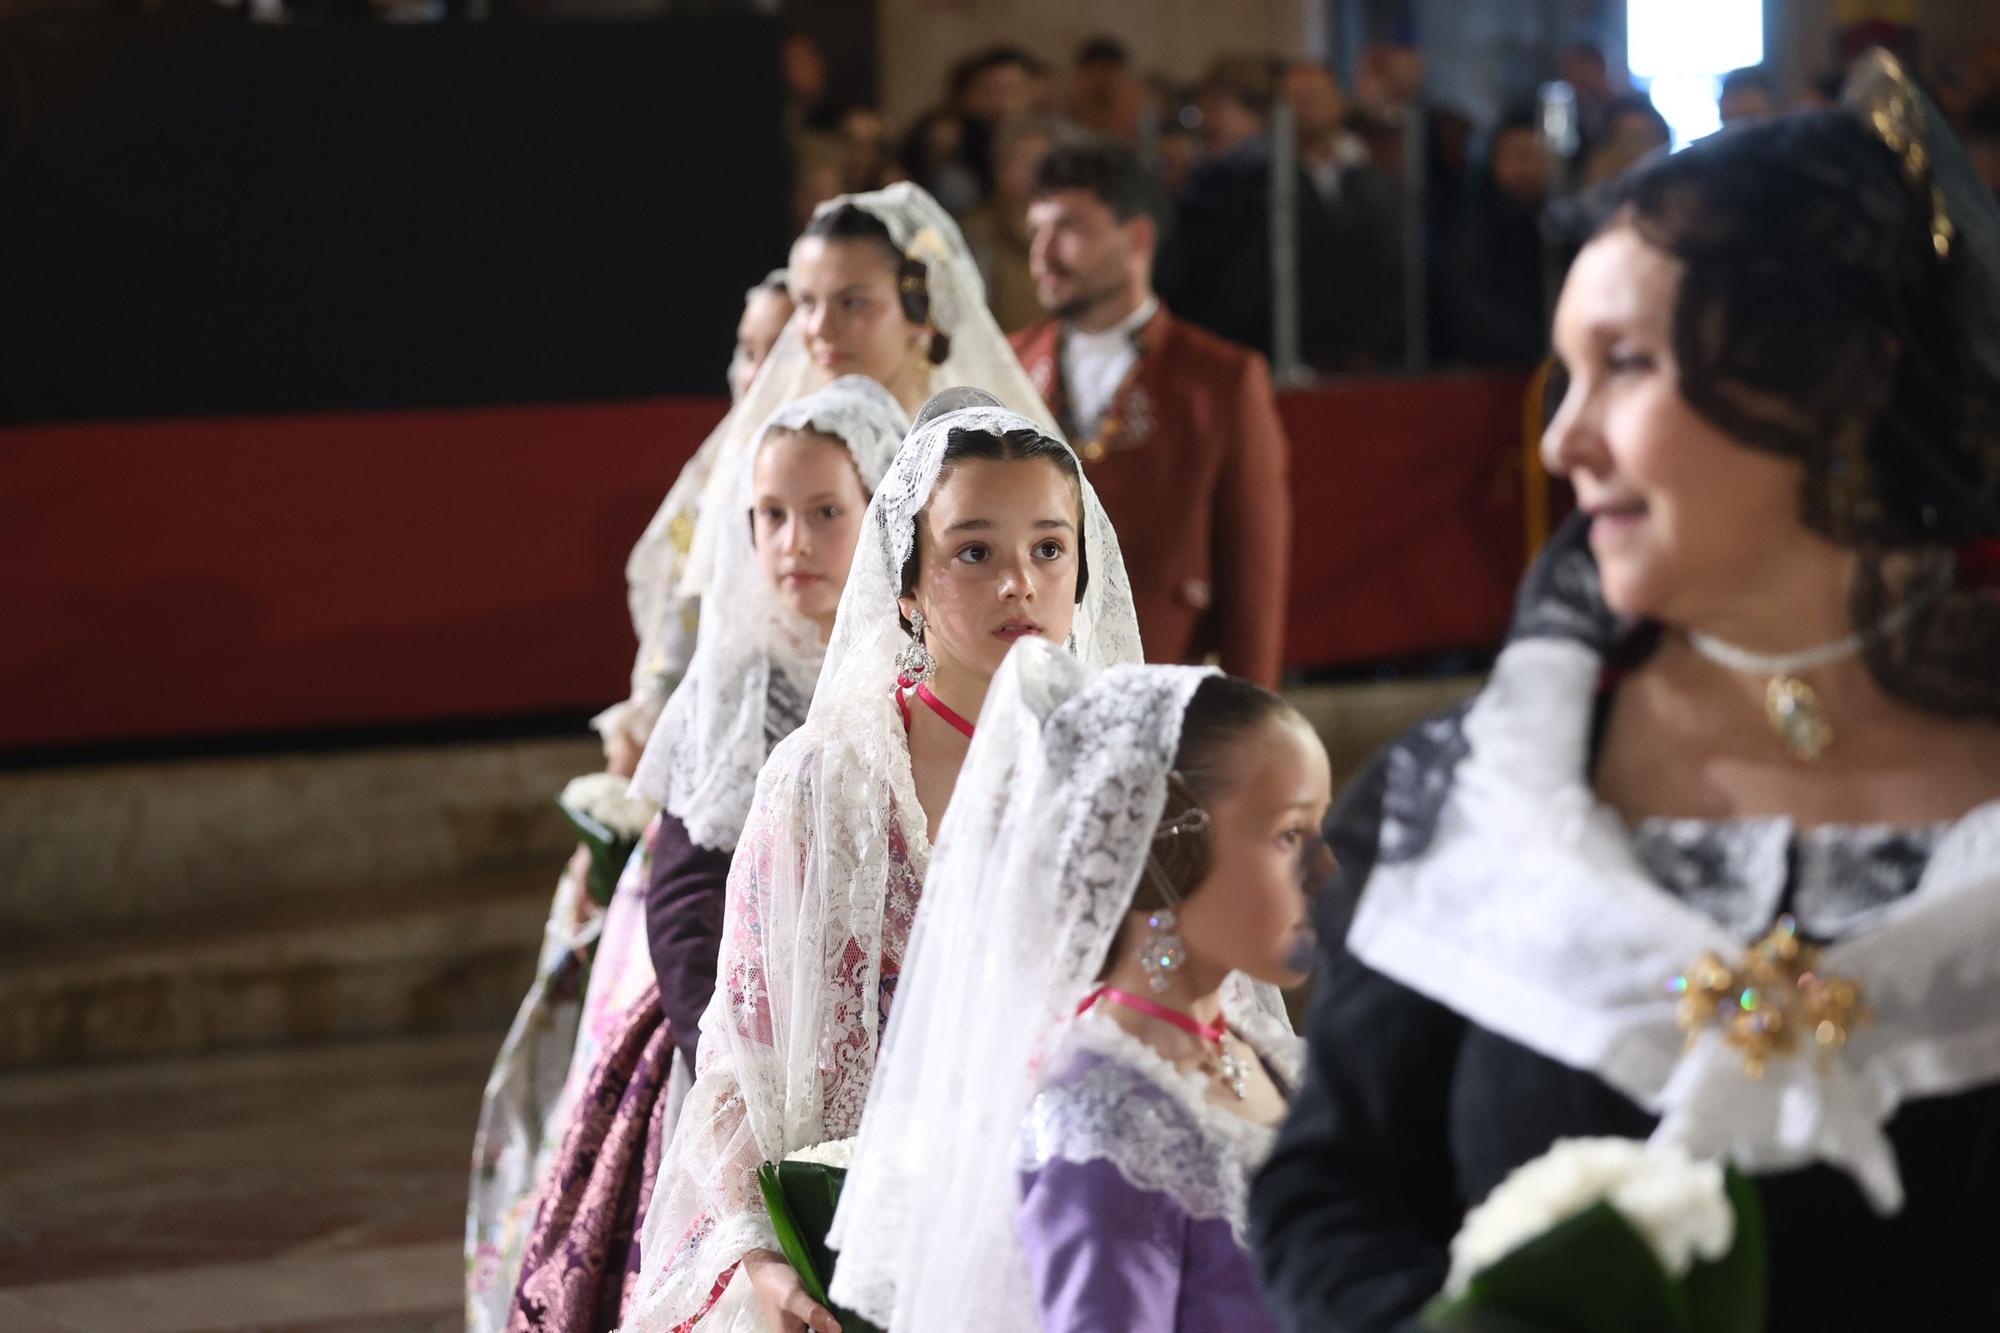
914	663
1163	953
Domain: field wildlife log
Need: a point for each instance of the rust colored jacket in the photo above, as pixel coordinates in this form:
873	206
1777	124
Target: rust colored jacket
1191	465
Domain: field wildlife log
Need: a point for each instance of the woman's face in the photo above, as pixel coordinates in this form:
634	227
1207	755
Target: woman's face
805	516
1685	521
850	312
1249	913
997	561
764	316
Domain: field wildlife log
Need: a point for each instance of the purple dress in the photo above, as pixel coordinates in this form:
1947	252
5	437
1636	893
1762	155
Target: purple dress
1133	1199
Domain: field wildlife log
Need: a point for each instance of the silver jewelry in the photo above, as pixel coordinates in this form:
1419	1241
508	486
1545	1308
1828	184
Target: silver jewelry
1233	1071
914	663
1163	953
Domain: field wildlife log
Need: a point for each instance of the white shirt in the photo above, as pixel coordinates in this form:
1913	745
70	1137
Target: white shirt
1095	364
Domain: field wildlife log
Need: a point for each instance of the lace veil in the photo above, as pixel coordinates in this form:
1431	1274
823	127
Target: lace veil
980	356
675	558
756	660
821	896
1037	862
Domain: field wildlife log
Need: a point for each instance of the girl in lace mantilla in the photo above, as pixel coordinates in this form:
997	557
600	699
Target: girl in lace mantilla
800	499
1088	1059
984	532
525	1111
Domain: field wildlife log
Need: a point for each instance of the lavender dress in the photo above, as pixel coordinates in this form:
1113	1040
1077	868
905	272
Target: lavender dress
1133	1195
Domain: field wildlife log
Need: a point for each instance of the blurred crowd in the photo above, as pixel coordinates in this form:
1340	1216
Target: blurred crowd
1392	184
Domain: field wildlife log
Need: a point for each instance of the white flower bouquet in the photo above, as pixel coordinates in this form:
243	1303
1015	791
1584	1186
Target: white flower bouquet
1610	1236
610	821
801	1194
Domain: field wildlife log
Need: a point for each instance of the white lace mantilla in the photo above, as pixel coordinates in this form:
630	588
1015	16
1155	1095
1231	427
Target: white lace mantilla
756	661
823	889
1054	814
1150	1120
1531	914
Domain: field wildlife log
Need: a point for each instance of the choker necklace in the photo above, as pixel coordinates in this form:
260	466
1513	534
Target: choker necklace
936	705
1792	707
1229	1067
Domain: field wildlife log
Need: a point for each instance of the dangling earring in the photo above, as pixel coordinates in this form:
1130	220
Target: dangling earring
914	663
1070	642
1163	953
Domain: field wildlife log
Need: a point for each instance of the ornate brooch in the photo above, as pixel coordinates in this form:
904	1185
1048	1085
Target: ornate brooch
1772	1002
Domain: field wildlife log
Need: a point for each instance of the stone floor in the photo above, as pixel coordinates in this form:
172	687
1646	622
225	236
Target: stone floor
309	1190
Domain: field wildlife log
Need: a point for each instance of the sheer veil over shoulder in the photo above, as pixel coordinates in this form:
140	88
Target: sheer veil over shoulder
822	892
1037	863
756	661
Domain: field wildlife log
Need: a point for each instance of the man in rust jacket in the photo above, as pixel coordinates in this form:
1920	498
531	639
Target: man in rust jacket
1178	429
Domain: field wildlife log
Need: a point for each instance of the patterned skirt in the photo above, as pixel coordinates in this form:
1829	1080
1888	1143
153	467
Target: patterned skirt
582	1257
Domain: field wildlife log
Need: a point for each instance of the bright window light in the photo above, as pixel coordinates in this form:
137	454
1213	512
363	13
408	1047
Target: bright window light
1678	51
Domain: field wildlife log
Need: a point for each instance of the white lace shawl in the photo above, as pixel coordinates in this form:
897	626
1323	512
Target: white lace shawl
1530	914
821	893
671	566
1152	1121
1037	862
756	661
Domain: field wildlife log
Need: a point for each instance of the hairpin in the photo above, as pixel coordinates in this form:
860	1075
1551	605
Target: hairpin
1894	111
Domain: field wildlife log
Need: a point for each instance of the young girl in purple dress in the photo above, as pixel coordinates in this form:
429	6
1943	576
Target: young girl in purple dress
1090	1056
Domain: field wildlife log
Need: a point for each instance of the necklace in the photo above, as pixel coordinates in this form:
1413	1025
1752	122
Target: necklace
1228	1066
1792	707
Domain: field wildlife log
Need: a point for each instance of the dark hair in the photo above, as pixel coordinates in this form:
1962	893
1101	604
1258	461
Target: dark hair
1751	78
1103	50
850	222
1816	319
1250	81
1014	446
1638	104
1105	168
992	57
1223	711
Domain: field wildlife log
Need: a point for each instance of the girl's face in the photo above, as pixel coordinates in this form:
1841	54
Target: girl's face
1684	519
764	316
805	516
850	312
997	555
1249	913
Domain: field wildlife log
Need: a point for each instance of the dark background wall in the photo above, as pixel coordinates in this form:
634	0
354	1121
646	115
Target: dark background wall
223	219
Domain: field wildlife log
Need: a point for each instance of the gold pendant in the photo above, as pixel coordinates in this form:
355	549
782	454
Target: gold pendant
1796	714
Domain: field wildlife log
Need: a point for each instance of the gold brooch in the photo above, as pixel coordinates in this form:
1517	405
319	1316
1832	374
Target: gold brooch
1771	1003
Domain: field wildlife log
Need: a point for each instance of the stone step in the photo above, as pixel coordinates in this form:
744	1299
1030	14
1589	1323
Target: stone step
175	908
139	845
449	957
